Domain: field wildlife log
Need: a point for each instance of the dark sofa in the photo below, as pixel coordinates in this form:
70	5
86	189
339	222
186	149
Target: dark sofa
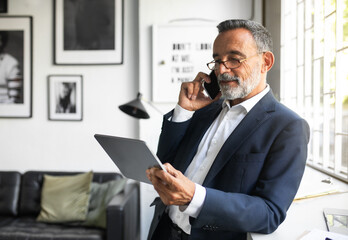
20	205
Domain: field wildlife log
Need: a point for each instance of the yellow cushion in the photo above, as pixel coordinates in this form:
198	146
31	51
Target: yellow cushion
65	198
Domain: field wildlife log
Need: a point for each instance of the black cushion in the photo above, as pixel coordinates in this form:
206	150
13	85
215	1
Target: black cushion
9	193
30	195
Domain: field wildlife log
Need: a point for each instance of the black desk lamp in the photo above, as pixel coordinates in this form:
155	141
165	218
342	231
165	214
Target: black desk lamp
135	108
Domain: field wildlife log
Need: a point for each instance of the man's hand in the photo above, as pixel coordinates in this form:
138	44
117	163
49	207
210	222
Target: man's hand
172	186
191	95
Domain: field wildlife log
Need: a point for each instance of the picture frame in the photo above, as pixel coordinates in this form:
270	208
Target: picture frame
65	97
88	32
3	6
16	66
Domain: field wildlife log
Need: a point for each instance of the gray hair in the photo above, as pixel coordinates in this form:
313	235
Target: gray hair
262	37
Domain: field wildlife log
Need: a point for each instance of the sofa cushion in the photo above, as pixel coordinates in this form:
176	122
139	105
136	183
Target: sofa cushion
101	194
9	193
30	193
65	198
29	229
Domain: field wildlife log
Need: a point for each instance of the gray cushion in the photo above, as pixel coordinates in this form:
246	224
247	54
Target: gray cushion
100	196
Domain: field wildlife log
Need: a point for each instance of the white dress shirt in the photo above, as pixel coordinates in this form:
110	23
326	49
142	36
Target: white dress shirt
209	147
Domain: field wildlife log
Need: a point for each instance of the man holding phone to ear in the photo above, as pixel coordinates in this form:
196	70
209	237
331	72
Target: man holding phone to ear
234	163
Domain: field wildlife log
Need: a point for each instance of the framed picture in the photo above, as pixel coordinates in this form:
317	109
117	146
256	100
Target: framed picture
15	66
88	32
65	97
179	53
3	6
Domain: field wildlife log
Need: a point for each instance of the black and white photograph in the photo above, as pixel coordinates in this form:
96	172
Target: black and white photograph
88	32
3	6
15	66
65	97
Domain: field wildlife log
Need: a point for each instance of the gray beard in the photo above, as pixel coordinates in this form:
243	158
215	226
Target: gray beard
243	89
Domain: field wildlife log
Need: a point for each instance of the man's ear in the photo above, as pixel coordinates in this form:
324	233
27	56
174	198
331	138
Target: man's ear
268	61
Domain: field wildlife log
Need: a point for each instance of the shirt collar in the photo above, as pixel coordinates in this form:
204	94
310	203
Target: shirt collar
249	103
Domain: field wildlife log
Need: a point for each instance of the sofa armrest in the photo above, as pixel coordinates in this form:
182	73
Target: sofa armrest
122	215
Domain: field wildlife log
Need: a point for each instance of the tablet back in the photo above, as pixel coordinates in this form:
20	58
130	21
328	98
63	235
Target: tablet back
131	156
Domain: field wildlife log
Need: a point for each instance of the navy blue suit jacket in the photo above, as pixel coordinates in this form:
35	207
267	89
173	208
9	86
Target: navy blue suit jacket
254	177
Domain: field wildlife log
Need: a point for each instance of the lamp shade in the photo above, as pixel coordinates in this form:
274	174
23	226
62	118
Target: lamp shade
135	108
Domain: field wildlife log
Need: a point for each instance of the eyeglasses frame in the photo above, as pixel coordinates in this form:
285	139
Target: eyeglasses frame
223	62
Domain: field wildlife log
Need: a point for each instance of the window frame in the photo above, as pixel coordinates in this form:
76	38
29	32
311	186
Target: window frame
317	65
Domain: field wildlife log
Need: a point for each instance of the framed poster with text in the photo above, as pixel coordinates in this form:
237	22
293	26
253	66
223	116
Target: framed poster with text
179	53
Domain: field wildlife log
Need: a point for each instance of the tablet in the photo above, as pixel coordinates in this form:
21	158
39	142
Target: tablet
336	220
131	156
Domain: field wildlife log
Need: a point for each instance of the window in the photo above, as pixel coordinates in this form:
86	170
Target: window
314	77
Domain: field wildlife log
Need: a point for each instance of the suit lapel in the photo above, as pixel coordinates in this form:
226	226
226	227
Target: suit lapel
253	120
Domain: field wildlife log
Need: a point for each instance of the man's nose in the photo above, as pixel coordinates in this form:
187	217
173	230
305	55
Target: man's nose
223	69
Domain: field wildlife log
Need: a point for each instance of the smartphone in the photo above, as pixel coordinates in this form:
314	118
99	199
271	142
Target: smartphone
212	89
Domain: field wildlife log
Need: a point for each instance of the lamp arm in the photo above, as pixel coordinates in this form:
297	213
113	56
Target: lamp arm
152	105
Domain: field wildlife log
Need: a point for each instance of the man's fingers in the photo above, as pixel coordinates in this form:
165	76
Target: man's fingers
194	88
202	76
188	87
156	175
171	170
168	178
191	89
172	186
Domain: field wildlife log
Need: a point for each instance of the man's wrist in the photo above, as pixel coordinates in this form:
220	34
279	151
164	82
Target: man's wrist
194	207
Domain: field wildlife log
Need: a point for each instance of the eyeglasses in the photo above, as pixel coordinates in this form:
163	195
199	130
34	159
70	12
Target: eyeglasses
230	63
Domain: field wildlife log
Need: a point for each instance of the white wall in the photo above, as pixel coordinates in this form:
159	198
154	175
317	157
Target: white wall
162	12
37	143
